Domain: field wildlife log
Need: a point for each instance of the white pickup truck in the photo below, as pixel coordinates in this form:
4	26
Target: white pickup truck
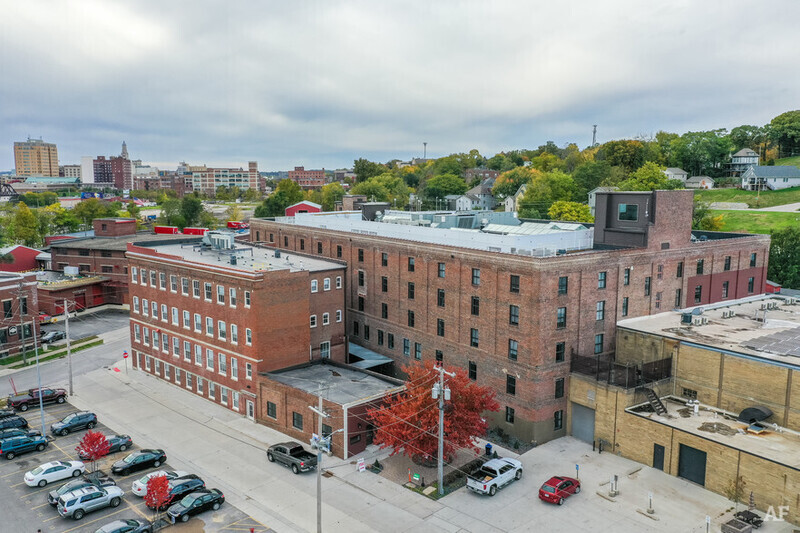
494	474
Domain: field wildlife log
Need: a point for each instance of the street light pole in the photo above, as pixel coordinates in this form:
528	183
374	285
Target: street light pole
38	375
441	393
69	351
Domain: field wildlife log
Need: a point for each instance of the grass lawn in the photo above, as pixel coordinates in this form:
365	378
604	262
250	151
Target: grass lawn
786	161
765	199
756	222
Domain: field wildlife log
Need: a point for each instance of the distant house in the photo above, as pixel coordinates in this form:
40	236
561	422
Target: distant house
23	259
484	199
699	182
673	173
512	202
302	207
483	173
742	160
760	178
593	195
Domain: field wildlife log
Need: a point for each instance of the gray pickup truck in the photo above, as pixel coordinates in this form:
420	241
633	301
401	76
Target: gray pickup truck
293	455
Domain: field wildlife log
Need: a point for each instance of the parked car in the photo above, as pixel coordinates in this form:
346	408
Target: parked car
194	503
493	475
293	455
53	336
128	525
559	488
5	413
139	460
12	422
13	446
53	471
92	480
17	432
46	318
139	486
180	487
30	398
118	443
73	422
77	503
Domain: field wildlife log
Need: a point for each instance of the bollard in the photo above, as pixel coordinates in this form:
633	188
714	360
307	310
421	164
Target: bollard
650	509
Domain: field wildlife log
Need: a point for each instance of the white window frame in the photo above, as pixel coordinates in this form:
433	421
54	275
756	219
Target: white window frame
210	359
222	363
189	383
164	342
247	298
198	323
136	304
326	319
235	398
187	351
199	385
158	367
146	336
325	350
173	283
175	315
234	369
314	285
145	307
248	337
222	330
167	371
143	276
232	297
198	355
338	315
207	292
154	309
212	387
162	281
176	346
164	313
196	288
248	370
134	275
187	319
209	326
177	375
137	333
147	363
234	334
221	294
338	282
326	284
185	286
223	395
313	321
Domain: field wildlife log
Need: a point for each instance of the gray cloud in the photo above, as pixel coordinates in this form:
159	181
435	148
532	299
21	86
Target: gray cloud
321	83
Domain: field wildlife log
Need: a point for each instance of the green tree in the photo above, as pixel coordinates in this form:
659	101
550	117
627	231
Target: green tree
134	210
570	211
448	165
331	193
588	176
747	137
543	191
546	162
384	188
441	186
784	257
287	193
500	162
702	152
191	207
649	177
26	227
88	210
508	183
628	154
233	212
784	130
365	169
171	213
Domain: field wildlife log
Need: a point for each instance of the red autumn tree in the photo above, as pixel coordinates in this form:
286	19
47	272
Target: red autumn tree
92	447
157	493
409	421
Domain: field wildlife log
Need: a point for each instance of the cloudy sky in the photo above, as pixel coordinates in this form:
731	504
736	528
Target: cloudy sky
322	83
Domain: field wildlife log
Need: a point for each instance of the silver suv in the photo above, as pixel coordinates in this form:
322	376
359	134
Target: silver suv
77	503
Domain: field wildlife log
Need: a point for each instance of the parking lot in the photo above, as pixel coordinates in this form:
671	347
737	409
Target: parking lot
86	324
26	509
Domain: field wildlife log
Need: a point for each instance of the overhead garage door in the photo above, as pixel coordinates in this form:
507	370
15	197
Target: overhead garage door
582	423
692	464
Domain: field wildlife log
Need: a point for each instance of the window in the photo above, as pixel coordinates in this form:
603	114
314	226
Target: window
561	318
200	385
319	247
209	326
198	322
187	348
338	282
187	320
440	297
247	298
625	306
380	337
559	388
198	355
417	351
297	420
558	420
598	343
510	415
514	283
360	303
175	315
164	313
223	365
234	368
406	347
366	332
724	289
313	320
751	282
473	370
135	304
698	294
560	352
314	285
473	337
753	258
162	280
144	277
8	310
339	250
234	333
166	371
679	273
476	306
302	244
156	340
338	315
411	319
222	330
146	333
360	255
411	264
360	278
626	276
476	276
207	287
563	285
134	275
600	310
410	290
390	341
185	286
195	288
326	319
513	349
384	259
154	309
272	410
384	284
326	284
248	370
248	336
355	328
727	265
441	270
440	327
601	280
678	297
699	266
647	286
660	271
628	212
511	385
689	393
173	283
137	333
177	375
107	269
232	296
212	389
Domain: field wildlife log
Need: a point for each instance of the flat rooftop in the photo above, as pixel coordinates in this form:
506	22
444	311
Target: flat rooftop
337	384
119	244
248	258
780	446
765	326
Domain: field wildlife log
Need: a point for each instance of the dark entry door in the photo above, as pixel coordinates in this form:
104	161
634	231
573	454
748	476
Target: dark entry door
370	434
658	456
692	464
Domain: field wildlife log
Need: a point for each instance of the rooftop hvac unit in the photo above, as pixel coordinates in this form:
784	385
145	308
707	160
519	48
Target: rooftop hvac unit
726	314
763	306
704	320
697	321
732	313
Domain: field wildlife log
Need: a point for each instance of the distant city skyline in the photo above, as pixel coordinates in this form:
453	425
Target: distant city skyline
321	84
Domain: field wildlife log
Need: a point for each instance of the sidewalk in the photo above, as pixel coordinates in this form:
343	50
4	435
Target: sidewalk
4	371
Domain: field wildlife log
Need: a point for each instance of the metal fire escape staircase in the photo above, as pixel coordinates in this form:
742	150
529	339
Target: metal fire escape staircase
654	400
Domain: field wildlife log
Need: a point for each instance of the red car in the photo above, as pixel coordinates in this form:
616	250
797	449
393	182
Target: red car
559	488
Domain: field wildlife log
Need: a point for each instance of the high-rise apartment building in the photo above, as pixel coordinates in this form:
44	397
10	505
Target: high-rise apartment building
35	157
207	179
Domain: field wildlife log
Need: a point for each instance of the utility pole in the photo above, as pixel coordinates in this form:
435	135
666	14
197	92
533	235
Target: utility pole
424	150
320	415
22	324
38	376
594	135
441	393
69	351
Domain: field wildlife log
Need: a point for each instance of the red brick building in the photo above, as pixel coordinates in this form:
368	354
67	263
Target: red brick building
302	207
23	258
308	179
512	316
19	308
212	318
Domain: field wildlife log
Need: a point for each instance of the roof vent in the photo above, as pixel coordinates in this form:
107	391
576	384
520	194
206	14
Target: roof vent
754	414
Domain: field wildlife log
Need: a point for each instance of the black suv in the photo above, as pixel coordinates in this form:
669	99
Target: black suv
178	488
10	422
73	421
139	461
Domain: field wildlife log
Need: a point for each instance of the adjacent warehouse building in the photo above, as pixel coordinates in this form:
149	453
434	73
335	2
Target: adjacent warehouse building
512	302
20	308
